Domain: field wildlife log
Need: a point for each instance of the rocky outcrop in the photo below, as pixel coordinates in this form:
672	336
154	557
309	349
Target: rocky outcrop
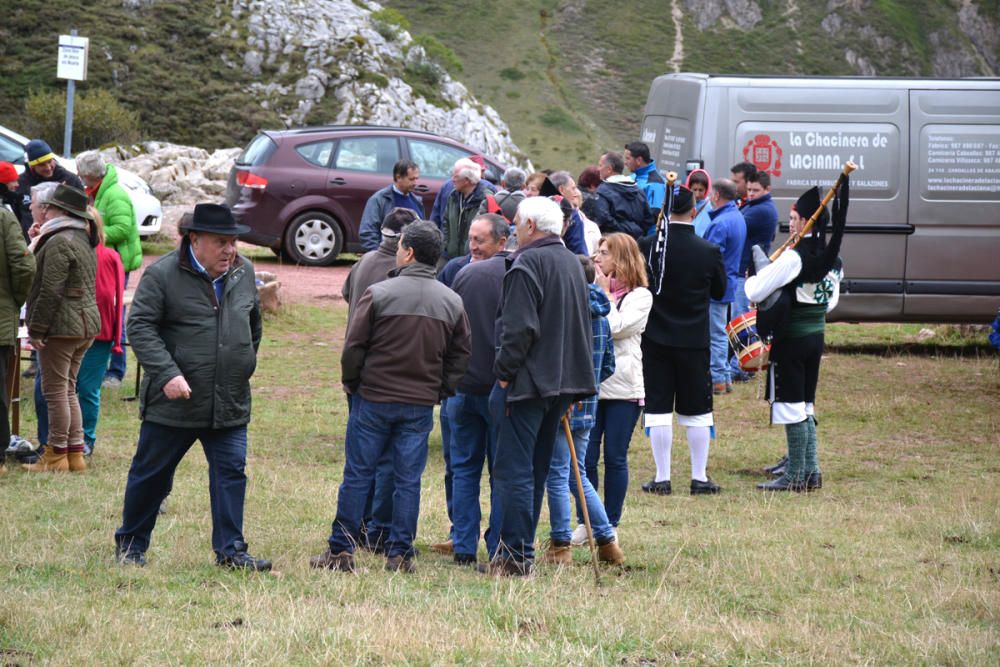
313	57
745	14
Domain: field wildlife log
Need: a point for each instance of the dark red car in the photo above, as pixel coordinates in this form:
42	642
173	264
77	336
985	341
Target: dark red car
302	191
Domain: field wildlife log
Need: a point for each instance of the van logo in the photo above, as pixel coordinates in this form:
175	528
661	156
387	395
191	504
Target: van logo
764	153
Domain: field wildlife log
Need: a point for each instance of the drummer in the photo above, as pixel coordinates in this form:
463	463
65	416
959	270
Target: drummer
809	278
675	344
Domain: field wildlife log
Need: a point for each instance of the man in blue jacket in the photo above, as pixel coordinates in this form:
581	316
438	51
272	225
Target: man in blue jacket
647	178
761	218
728	231
405	175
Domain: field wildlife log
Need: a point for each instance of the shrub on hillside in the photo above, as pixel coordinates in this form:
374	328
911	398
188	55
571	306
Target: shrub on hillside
98	119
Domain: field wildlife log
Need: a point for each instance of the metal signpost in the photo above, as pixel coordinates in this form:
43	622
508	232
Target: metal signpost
73	52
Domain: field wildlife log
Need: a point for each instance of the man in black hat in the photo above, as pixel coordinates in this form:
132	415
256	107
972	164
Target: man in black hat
685	273
808	277
195	327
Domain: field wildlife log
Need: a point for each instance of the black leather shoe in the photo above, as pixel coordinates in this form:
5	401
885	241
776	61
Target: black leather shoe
130	557
814	480
782	484
778	468
657	488
241	560
465	559
708	486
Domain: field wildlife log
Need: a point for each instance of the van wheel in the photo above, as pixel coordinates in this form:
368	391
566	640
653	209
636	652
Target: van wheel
313	239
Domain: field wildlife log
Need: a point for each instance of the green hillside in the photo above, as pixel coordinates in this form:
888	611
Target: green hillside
569	76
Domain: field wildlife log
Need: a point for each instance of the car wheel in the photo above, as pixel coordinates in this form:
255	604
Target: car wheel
313	239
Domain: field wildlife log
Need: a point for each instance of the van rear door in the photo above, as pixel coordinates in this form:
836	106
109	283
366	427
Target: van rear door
672	109
952	265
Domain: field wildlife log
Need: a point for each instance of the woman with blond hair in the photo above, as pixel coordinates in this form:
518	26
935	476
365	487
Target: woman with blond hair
621	273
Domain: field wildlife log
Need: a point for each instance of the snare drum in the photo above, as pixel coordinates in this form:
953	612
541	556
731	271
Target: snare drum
746	343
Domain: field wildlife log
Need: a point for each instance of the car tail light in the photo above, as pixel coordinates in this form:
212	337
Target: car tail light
252	181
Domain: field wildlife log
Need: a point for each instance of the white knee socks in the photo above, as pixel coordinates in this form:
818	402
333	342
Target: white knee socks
698	439
661	438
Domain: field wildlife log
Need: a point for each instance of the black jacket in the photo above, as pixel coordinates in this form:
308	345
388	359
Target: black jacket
694	273
480	285
544	335
30	179
621	207
177	327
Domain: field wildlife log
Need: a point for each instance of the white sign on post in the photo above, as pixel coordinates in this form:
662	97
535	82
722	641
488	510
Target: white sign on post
73	53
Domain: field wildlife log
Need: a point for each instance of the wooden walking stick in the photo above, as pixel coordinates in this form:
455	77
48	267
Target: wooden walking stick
583	498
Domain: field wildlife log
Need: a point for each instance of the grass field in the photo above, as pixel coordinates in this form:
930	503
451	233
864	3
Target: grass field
895	561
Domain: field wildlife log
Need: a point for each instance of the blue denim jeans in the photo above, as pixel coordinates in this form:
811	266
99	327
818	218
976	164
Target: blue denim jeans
372	429
740	306
615	424
562	481
473	442
525	441
117	367
445	421
718	319
151	477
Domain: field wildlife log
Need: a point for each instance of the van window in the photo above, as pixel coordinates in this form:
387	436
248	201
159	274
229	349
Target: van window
435	160
801	155
317	153
373	154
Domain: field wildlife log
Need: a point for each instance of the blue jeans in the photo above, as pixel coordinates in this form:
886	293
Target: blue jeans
88	388
473	442
151	477
615	424
740	306
562	481
718	319
525	441
372	429
378	505
117	367
445	420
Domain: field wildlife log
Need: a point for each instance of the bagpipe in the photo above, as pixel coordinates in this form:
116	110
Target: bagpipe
657	251
752	344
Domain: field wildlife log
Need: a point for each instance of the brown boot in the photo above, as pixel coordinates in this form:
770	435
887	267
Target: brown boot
343	561
74	456
3	470
446	548
611	553
53	460
558	553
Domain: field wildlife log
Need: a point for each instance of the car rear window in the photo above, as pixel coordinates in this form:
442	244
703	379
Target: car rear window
257	152
11	151
317	153
374	154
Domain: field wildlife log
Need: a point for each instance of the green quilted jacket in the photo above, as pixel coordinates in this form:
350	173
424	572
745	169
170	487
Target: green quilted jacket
121	231
63	299
17	268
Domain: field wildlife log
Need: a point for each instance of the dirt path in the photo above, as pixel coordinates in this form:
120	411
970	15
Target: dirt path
299	284
677	59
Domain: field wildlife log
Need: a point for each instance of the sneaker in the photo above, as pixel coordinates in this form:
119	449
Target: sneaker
579	537
111	382
130	557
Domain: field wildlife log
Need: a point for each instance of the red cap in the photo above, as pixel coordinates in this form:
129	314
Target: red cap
8	174
478	159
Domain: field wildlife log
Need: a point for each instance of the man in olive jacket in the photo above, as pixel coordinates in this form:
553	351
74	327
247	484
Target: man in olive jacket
17	269
195	327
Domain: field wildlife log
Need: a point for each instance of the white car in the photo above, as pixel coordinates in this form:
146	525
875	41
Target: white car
148	211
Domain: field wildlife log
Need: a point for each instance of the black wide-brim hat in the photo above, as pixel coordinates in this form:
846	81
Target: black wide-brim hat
214	219
70	199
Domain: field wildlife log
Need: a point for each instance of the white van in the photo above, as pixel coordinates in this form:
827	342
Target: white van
923	233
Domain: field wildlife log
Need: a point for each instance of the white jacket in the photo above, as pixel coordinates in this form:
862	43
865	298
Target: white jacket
627	325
